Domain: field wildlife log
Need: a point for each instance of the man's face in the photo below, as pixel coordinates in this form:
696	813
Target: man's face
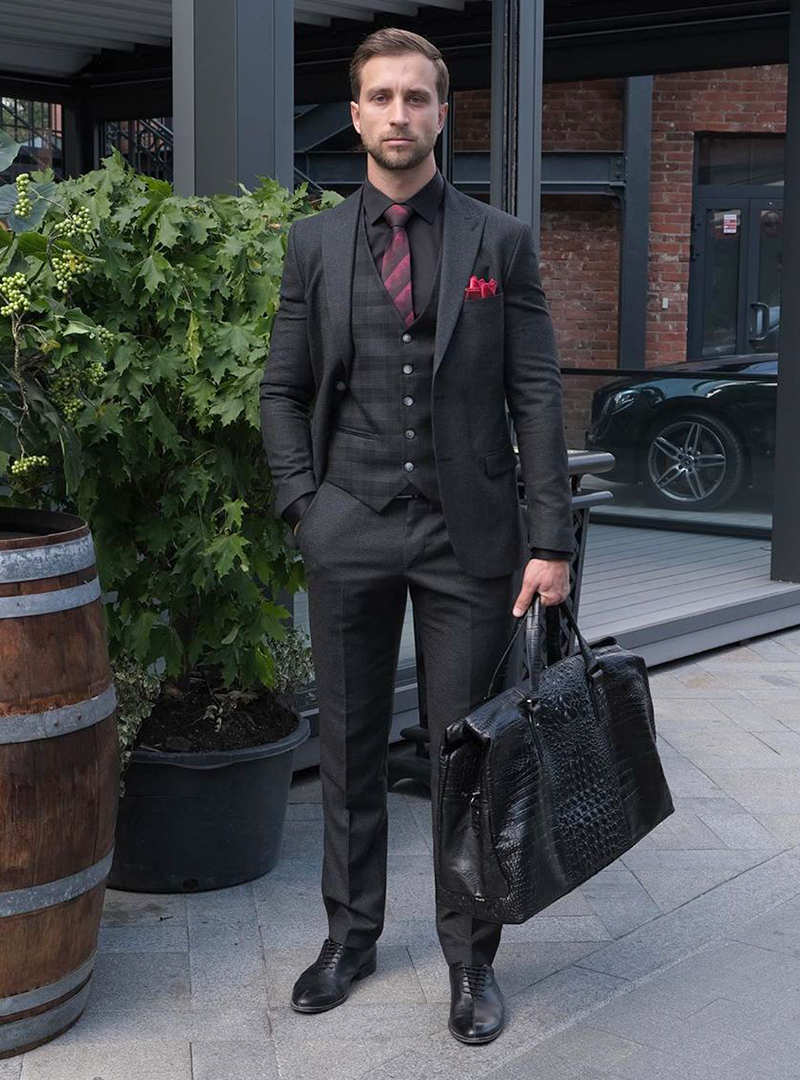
398	101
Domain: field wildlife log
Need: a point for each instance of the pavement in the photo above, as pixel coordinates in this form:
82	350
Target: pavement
680	961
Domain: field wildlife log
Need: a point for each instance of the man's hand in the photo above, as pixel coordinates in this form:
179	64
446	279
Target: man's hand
548	577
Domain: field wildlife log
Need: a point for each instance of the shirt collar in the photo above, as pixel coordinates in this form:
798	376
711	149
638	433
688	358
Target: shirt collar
424	202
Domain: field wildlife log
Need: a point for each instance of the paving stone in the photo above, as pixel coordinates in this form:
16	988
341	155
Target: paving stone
620	916
146	1060
104	1022
395	979
234	1060
339	1059
130	981
747	715
10	1068
230	973
223	916
165	937
126	908
585	1044
710	916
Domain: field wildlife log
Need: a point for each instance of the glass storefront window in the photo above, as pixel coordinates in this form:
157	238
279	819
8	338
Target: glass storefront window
741	159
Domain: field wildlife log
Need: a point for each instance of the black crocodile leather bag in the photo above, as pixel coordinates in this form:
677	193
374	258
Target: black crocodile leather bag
547	782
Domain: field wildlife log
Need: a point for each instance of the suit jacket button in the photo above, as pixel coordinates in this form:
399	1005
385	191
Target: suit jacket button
409	466
407	338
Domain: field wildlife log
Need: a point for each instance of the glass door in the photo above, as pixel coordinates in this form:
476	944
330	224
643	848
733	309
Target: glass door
735	280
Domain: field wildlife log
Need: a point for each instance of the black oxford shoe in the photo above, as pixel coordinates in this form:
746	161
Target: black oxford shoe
476	1004
327	982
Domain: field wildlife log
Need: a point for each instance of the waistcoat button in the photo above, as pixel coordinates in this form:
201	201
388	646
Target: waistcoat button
408	401
407	338
409	466
410	433
407	369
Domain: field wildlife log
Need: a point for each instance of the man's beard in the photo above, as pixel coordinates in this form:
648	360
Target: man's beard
407	158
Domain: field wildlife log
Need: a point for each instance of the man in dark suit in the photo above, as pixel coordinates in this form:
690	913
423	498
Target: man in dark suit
403	479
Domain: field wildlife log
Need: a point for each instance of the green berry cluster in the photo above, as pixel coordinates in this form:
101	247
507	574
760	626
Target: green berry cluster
12	289
63	393
77	224
29	467
105	336
95	373
67	267
23	204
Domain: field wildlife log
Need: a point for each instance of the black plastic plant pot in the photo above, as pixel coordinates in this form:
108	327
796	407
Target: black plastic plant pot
199	821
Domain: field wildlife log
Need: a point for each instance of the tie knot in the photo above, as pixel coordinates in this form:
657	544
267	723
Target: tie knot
397	214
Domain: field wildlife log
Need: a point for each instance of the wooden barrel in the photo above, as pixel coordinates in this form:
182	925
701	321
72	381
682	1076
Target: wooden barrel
59	773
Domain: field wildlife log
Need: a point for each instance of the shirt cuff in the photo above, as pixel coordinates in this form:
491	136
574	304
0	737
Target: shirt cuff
295	510
549	553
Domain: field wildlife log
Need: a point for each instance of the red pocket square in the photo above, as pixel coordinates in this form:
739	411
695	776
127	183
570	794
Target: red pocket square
478	288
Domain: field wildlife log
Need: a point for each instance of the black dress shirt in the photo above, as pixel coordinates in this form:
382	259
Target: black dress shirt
424	228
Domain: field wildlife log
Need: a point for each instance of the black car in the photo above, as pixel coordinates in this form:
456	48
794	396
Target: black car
692	433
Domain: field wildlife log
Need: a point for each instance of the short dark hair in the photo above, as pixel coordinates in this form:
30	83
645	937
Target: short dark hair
392	41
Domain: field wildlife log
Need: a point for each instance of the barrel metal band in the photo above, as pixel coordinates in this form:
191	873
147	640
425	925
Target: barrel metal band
32	564
31	999
15	607
25	727
36	897
33	1029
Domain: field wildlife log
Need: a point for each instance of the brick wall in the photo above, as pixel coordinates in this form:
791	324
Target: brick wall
736	100
580	235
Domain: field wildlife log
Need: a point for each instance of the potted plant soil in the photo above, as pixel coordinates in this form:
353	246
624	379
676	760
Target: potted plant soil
134	326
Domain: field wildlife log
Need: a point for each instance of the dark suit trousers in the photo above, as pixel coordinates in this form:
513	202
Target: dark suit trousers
360	566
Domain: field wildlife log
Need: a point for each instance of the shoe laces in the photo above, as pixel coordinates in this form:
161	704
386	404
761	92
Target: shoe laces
474	977
329	953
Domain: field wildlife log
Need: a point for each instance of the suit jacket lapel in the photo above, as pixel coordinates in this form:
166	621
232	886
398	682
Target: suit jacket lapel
462	228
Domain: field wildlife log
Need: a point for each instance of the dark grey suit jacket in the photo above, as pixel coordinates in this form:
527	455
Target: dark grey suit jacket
486	352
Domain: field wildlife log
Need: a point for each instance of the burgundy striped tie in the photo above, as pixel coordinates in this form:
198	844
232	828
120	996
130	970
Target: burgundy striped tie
396	266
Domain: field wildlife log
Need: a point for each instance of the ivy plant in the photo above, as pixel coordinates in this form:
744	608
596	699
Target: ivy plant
134	330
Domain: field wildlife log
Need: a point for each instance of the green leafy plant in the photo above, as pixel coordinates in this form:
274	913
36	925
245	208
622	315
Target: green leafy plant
133	335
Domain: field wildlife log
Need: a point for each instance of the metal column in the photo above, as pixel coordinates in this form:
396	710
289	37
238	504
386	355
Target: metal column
233	94
516	109
785	564
634	237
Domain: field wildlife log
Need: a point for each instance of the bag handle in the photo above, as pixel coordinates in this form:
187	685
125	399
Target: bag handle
534	630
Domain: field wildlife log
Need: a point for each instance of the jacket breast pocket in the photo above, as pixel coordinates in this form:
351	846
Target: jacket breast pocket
497	461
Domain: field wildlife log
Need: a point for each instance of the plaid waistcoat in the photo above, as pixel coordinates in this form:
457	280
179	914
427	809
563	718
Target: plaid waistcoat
382	438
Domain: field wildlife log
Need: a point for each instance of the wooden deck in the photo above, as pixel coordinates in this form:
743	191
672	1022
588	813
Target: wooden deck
670	594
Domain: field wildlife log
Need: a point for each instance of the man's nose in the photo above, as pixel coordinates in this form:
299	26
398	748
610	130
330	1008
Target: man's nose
399	117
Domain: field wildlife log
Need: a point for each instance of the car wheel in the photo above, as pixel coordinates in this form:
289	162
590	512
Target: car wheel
693	461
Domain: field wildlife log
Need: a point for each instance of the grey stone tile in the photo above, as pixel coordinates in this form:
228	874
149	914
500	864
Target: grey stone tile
549	928
139	938
395	979
104	1022
741	780
131	981
684	929
356	1019
778	930
620	916
543	1062
302	840
11	1068
748	715
762	1061
739	830
223	916
129	908
405	832
682	829
146	1060
230	973
419	806
234	1060
585	1044
339	1059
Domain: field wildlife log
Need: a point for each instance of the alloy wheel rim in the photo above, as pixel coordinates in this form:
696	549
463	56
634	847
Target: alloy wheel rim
687	462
